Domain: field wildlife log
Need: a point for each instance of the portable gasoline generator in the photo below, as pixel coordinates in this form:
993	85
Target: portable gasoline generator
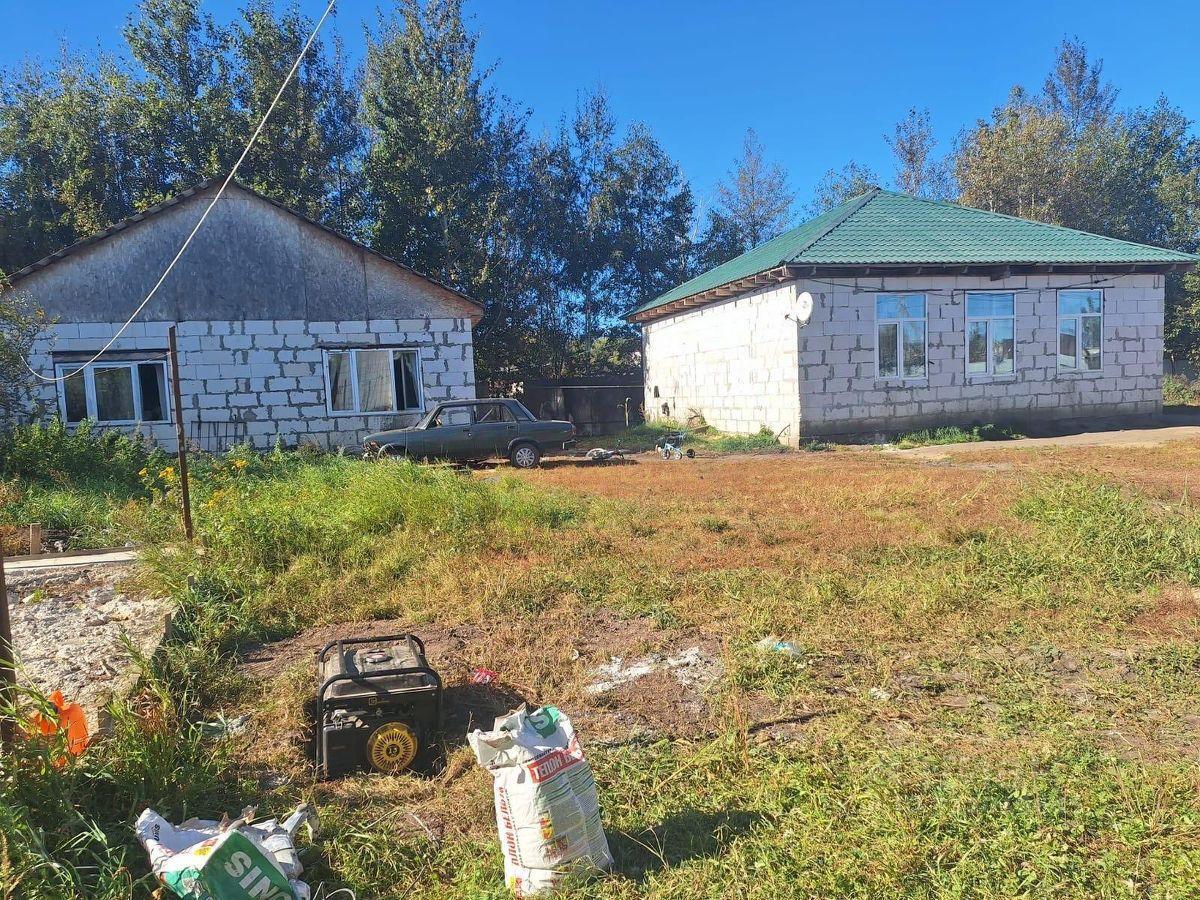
379	704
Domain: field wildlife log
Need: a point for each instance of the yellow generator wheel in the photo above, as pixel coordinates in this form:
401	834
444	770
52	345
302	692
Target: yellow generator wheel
391	748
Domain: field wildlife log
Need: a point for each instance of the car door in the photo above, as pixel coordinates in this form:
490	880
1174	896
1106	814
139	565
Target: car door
455	432
494	428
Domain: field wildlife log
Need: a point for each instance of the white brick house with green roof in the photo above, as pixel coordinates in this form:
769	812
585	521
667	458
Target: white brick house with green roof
891	313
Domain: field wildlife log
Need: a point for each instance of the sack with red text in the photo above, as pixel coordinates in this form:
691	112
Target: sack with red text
546	807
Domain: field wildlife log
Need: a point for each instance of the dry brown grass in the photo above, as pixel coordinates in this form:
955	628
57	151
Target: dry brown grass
1170	471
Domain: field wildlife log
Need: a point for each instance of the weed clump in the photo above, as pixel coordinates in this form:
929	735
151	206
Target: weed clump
1179	391
952	434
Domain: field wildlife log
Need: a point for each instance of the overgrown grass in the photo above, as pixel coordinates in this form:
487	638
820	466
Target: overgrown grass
273	529
952	434
72	479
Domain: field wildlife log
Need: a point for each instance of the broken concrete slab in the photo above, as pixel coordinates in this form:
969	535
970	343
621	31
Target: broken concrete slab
70	627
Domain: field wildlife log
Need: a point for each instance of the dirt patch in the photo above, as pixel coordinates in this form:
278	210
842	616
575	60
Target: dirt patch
1175	613
661	700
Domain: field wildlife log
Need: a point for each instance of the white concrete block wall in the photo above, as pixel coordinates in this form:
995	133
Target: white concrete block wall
734	363
729	361
263	380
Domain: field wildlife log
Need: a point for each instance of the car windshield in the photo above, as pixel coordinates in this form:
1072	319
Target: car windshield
427	421
523	411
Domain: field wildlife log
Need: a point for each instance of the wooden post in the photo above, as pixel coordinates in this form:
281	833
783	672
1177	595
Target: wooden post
185	497
8	665
35	539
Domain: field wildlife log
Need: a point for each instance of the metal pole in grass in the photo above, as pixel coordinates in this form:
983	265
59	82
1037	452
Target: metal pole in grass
185	497
8	664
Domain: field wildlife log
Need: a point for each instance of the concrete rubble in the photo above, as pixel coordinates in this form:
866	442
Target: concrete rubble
70	627
692	667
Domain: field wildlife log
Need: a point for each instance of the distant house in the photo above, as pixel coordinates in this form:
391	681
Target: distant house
891	313
287	330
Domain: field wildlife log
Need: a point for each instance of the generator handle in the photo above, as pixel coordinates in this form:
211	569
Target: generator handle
405	636
384	673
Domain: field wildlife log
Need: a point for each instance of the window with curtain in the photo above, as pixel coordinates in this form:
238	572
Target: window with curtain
900	335
115	392
1080	326
373	380
991	333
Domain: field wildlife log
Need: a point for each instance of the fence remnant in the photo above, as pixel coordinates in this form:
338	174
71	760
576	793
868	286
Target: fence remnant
599	406
185	498
8	665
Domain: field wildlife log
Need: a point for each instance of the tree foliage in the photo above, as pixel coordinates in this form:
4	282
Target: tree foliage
918	171
754	204
20	322
558	234
612	216
1068	158
838	186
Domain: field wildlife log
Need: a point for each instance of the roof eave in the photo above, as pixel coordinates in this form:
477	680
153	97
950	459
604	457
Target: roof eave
792	271
776	275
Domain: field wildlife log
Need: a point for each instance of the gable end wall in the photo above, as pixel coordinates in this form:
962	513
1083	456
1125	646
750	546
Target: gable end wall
733	363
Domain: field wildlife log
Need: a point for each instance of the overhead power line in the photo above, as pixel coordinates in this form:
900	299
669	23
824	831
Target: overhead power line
187	243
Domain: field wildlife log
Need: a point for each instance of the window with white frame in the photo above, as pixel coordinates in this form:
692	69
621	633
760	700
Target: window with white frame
991	333
1080	325
114	392
900	335
374	380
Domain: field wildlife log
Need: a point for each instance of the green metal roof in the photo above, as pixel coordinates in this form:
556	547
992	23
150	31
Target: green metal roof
882	228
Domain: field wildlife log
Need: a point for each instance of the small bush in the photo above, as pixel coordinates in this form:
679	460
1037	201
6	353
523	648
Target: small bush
1179	391
952	434
73	480
50	452
763	440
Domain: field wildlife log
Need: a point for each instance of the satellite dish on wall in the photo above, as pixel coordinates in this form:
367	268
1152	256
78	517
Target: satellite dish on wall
804	307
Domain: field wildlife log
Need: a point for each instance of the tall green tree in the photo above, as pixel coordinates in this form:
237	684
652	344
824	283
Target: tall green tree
754	204
612	219
66	165
444	168
838	186
307	154
187	124
1076	90
919	171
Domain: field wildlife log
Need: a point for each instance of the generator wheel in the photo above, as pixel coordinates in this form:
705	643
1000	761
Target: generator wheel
391	748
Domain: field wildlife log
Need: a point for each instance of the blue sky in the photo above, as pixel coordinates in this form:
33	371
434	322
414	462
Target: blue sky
821	83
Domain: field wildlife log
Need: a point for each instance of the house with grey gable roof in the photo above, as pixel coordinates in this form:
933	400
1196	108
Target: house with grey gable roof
891	313
287	330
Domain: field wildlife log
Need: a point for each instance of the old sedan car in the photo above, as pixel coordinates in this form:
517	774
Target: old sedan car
476	429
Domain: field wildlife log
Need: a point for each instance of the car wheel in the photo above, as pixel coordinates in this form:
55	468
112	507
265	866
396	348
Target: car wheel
525	456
